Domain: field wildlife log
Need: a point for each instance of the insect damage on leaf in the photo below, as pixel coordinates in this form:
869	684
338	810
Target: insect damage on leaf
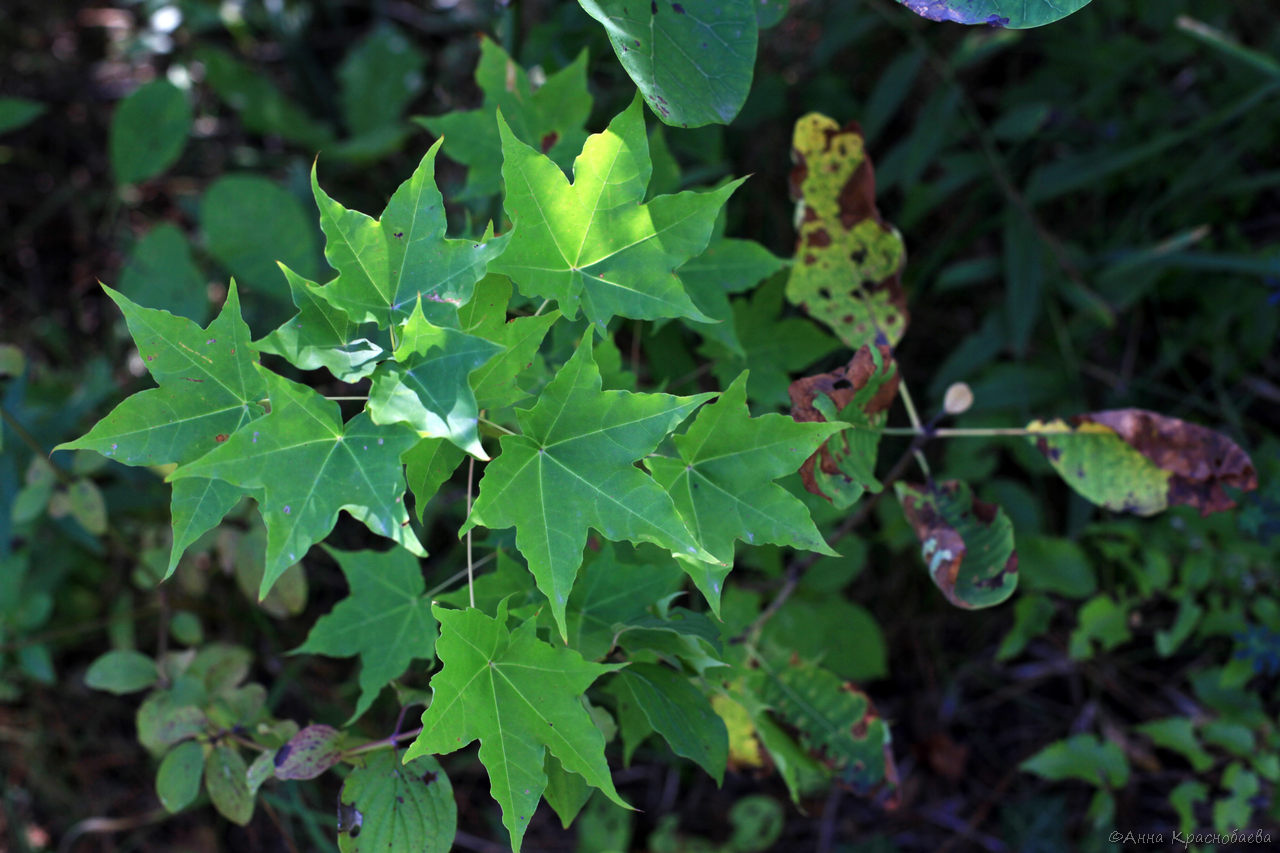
967	544
848	263
860	394
1134	460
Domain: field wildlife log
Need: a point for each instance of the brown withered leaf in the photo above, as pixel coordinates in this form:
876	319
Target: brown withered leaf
860	394
1140	461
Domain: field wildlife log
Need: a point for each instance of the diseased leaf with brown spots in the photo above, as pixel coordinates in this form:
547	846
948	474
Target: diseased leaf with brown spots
848	263
1133	460
837	724
860	394
966	543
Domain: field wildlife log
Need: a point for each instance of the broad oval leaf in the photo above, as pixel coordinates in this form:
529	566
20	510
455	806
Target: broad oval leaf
1133	460
16	112
520	697
386	805
161	271
226	778
250	225
1016	14
309	753
967	544
178	779
692	60
122	671
848	264
858	394
148	131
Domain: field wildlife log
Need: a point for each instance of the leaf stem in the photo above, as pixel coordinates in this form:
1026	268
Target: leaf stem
499	427
971	432
920	429
471	580
447	582
347	398
384	743
542	307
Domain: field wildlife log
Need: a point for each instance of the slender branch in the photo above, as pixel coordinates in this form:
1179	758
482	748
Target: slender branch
385	743
461	573
971	432
541	307
921	430
365	398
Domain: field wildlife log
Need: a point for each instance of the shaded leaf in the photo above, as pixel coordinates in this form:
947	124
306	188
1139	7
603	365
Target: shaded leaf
858	394
566	792
378	78
178	779
261	106
1085	757
353	466
86	505
320	335
226	778
613	592
385	266
1017	14
774	346
691	60
161	271
727	266
593	243
519	697
1133	460
550	118
848	263
385	619
967	544
251	225
309	753
675	709
386	805
496	381
836	722
17	112
121	671
722	482
428	464
573	469
148	131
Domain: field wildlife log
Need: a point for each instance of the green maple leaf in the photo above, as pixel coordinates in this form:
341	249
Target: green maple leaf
722	484
495	381
208	389
320	335
386	620
573	469
551	118
426	386
386	265
353	466
595	243
520	697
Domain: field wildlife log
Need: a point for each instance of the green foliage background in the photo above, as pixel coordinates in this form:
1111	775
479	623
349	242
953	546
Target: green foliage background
1090	212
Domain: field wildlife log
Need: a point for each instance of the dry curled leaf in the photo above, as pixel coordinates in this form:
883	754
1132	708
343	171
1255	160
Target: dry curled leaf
860	394
1134	460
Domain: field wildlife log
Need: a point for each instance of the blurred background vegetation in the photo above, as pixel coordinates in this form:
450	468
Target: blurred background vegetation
1092	215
